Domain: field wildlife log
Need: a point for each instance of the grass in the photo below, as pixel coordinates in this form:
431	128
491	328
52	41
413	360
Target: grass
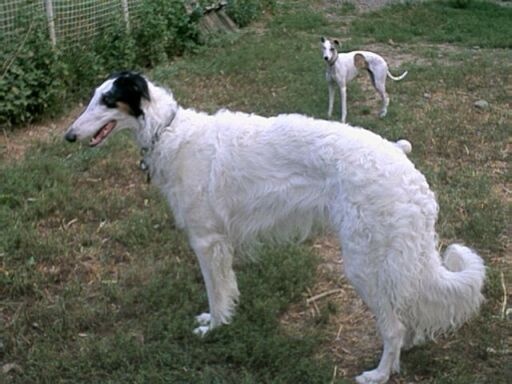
480	23
97	285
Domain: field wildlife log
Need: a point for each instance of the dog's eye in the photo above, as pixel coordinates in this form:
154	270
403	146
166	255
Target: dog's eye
332	49
108	100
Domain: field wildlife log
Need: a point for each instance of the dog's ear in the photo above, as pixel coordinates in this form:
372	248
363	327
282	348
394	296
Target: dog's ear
336	42
141	85
322	39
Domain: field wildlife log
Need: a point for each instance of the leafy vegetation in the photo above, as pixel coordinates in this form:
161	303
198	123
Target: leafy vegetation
29	77
37	80
97	285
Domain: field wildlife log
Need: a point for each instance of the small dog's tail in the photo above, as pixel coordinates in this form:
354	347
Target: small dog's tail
451	295
397	78
404	145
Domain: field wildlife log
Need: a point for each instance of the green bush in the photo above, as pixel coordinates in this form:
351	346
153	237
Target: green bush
462	4
111	50
30	82
244	11
37	79
165	31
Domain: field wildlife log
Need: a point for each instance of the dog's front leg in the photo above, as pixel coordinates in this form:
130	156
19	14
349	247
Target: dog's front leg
343	102
331	98
215	256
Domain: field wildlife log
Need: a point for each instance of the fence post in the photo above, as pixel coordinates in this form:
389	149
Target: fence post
51	21
126	14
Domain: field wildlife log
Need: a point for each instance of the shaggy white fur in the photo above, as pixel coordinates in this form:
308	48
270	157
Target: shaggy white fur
232	177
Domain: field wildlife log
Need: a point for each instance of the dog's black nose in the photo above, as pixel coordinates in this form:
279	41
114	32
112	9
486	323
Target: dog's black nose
70	136
326	58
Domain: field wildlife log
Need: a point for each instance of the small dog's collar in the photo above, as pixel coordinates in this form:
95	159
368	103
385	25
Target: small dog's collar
331	62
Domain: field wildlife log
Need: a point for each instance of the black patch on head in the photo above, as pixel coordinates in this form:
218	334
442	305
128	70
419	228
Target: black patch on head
128	88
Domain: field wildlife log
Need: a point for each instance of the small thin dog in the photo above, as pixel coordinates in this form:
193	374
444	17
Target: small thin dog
233	177
343	67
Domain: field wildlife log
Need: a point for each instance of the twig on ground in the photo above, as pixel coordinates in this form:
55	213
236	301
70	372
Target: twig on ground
316	310
504	304
334	373
322	295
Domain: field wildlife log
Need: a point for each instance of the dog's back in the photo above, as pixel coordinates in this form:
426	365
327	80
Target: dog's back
291	165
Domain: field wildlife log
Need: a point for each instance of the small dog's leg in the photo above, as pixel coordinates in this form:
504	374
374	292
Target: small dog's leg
380	86
385	103
215	259
331	99
343	96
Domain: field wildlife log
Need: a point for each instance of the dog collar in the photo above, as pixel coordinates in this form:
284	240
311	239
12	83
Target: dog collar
146	152
331	62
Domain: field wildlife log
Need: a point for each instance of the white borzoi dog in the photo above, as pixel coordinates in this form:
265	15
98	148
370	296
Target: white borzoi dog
231	177
343	67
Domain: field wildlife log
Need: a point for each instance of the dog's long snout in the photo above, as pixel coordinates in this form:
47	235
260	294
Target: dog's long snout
70	136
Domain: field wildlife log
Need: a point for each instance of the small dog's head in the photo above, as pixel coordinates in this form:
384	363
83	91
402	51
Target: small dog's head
329	49
116	104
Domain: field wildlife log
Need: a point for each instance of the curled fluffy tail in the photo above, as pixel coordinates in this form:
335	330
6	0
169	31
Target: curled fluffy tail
397	78
404	145
451	295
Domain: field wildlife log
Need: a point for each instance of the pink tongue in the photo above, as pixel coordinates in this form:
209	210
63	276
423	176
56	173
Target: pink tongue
103	132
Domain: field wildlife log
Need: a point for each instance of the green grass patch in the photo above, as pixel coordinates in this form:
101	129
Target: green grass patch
99	287
480	23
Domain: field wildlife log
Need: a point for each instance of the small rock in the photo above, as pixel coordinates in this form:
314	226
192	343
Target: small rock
11	367
481	104
427	95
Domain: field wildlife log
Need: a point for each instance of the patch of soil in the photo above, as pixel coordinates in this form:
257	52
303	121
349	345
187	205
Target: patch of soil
14	144
353	342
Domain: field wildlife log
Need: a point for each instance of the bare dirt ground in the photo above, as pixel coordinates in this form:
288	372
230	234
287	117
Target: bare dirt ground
332	301
14	144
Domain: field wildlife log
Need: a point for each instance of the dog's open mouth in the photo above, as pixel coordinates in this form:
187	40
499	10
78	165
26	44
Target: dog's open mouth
102	133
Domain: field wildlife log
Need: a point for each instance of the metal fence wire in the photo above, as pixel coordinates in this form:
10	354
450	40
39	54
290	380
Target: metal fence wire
68	21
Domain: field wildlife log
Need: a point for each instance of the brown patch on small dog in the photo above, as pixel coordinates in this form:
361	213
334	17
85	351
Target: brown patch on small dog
124	108
360	62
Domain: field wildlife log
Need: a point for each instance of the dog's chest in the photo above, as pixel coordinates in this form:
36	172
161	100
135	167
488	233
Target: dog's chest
331	75
342	71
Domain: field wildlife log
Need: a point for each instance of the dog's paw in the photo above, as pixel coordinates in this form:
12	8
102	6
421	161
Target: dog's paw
201	331
372	377
204	319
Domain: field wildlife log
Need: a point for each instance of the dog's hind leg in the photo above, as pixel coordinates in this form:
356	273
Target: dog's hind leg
393	333
379	82
361	271
215	256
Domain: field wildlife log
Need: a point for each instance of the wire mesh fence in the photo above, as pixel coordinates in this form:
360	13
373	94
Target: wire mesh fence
68	22
11	11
